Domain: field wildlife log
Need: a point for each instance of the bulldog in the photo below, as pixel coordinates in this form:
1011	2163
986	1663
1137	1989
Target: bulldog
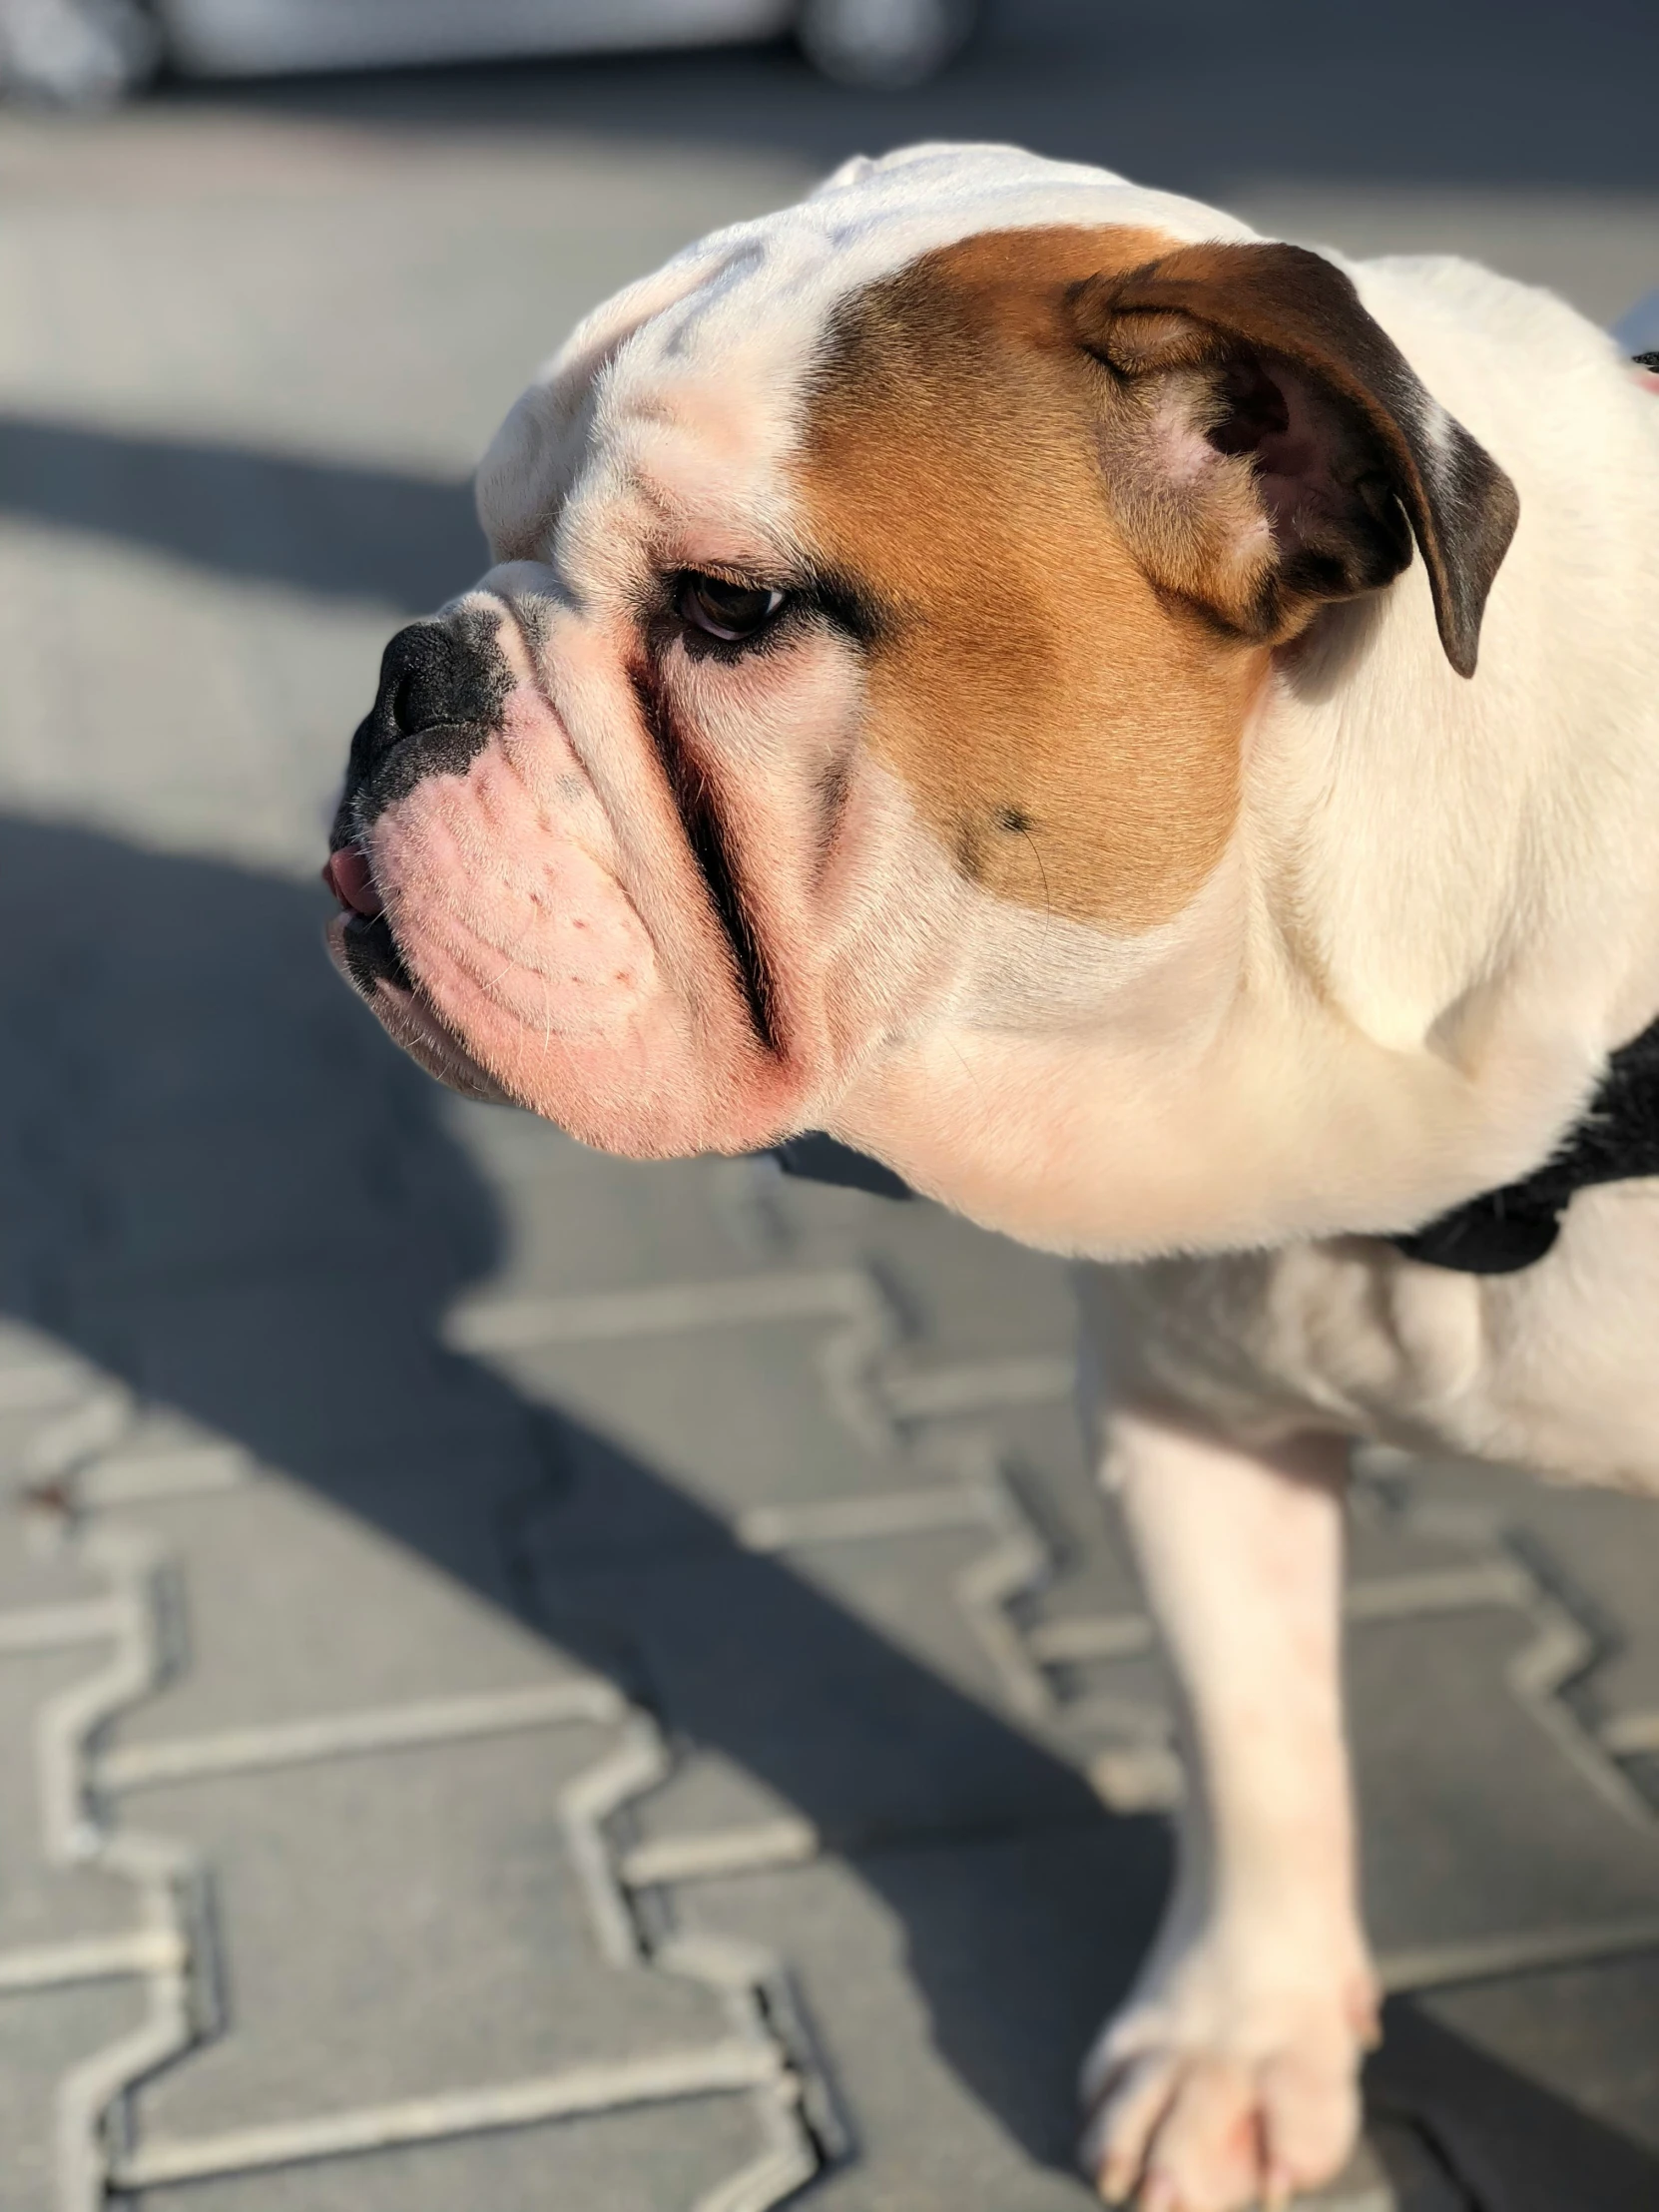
1152	734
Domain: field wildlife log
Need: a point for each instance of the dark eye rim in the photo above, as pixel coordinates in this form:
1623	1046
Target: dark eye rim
726	610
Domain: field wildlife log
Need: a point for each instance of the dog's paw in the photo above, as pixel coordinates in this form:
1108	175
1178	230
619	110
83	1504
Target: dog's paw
1221	2088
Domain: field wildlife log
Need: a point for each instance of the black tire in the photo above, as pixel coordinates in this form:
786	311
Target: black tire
885	45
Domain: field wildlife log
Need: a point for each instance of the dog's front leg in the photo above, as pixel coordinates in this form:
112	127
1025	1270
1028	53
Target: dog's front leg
1229	2075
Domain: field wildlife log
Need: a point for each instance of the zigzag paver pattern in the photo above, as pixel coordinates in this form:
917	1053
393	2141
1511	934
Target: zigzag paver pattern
526	1680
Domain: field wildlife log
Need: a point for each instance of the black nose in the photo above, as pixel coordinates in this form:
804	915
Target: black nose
439	675
442	684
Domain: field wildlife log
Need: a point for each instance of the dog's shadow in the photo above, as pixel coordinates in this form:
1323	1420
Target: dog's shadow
222	1183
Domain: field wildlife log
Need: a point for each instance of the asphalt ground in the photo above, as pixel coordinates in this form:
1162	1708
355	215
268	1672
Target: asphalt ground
530	1681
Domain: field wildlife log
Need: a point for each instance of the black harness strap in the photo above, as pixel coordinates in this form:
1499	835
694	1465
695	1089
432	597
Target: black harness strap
1618	1140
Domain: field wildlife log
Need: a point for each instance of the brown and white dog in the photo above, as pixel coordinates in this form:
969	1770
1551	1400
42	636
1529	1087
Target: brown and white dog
955	676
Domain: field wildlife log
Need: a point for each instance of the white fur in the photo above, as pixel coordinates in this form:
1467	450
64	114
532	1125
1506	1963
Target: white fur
1229	2074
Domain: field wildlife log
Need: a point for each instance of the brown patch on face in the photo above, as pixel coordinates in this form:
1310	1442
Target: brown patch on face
1069	731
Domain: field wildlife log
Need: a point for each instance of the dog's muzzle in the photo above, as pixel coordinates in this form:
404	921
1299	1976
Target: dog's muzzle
442	684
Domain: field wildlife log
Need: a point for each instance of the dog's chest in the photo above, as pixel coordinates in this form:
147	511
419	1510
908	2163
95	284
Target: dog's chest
1551	1367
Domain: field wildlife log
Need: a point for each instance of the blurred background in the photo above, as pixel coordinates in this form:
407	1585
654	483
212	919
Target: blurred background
527	1680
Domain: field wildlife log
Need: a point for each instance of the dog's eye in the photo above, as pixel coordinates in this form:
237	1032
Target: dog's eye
733	613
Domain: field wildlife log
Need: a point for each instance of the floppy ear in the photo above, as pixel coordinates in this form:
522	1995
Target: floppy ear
1270	448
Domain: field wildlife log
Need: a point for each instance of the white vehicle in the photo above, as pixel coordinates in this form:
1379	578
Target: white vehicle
91	49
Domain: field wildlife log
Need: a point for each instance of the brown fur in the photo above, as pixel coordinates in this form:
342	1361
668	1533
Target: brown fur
1070	729
1206	312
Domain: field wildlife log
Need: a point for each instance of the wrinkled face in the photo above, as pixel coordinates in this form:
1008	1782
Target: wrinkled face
866	675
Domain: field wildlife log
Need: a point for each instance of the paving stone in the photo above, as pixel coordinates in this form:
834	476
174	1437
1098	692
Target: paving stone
311	1374
637	2162
208	1196
971	1295
1400	2172
838	1694
42	1904
731	1416
36	1568
1591	2032
1474	1820
260	1071
1603	1551
292	1608
1043	1449
396	1926
1508	2141
710	1792
581	1223
43	2034
953	1991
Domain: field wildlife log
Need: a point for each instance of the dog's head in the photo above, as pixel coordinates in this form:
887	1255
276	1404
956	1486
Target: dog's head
883	593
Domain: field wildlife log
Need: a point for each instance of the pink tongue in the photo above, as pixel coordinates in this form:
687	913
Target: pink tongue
347	874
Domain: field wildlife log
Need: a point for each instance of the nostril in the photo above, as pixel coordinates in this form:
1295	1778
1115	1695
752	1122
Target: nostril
419	682
444	683
437	675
